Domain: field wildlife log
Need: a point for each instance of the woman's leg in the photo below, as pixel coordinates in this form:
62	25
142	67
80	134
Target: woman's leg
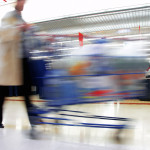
26	83
2	97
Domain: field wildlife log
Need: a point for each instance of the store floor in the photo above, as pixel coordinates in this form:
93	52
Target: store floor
15	135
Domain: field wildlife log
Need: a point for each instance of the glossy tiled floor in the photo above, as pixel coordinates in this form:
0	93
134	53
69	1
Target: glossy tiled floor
15	135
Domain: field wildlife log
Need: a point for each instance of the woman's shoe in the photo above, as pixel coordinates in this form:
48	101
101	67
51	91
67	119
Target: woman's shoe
1	126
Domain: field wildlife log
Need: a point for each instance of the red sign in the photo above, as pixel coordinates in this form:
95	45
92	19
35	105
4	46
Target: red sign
80	39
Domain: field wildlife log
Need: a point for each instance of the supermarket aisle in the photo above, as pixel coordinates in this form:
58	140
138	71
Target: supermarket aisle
14	136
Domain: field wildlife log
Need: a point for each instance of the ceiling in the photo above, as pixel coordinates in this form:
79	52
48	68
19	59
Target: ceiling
130	21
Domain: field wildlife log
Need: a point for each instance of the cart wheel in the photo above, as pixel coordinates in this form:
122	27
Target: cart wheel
118	135
33	134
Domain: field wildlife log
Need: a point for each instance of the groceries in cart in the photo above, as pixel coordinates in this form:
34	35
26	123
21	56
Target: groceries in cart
91	73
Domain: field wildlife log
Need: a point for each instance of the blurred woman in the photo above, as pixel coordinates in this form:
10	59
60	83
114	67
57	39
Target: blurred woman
14	69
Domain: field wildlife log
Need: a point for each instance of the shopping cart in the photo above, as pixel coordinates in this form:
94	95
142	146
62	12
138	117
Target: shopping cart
61	89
